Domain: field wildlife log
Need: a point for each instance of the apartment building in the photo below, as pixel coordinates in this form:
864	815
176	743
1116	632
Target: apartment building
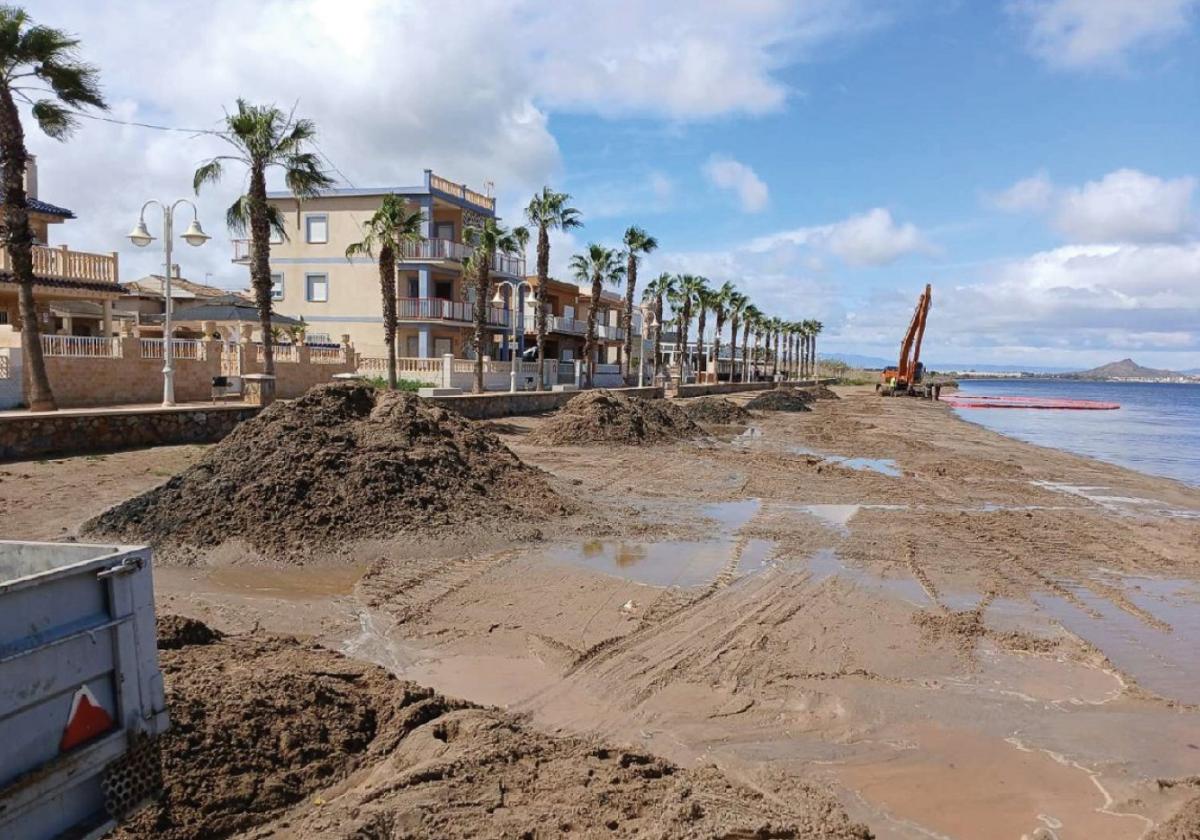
567	307
313	279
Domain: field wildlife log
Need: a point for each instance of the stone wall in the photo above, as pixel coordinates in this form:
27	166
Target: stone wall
489	406
82	381
74	433
295	376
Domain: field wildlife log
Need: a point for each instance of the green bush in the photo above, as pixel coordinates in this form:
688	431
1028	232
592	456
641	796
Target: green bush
380	382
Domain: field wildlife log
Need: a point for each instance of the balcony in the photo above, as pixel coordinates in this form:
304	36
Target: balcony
510	266
573	326
241	252
61	263
452	311
460	191
434	250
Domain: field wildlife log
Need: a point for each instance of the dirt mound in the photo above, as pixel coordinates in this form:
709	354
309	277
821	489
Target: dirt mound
264	727
781	399
175	631
342	463
608	417
821	392
715	411
1185	825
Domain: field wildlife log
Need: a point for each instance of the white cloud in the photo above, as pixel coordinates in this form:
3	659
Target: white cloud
729	174
1029	194
868	239
1076	34
1123	206
1126	206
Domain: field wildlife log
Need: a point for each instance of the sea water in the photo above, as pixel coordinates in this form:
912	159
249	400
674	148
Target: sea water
1156	430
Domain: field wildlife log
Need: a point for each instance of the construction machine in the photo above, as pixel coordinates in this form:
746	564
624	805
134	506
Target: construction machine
908	377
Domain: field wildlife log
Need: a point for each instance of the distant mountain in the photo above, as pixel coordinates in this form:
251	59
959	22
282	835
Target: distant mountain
1016	367
856	360
1126	369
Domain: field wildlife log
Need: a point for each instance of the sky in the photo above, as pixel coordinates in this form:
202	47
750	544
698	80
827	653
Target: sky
1035	160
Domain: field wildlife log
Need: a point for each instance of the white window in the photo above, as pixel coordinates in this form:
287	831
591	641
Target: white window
569	313
443	230
318	287
317	338
276	236
276	286
567	355
316	229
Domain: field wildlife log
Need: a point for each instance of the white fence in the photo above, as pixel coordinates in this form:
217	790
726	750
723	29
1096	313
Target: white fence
86	346
445	372
184	349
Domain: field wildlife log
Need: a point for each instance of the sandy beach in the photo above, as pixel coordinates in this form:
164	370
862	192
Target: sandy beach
946	632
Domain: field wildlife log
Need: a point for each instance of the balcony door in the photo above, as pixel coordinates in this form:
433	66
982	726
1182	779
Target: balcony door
414	287
443	230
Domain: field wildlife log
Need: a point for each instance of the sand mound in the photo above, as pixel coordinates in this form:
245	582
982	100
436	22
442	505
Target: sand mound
715	411
608	417
781	399
821	392
264	726
1185	825
175	631
341	463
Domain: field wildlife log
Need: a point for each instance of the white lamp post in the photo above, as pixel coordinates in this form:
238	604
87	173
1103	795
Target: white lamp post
141	237
649	324
498	300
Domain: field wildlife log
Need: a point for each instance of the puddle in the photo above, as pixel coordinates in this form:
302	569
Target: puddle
837	517
883	466
299	583
1162	659
1107	499
826	563
954	783
683	563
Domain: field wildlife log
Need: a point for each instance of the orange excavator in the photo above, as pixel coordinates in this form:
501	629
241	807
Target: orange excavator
908	377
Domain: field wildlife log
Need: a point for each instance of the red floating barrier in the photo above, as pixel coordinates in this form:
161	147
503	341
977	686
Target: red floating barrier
996	401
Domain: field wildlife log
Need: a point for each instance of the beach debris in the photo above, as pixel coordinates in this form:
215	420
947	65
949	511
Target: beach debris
609	417
715	411
341	463
782	399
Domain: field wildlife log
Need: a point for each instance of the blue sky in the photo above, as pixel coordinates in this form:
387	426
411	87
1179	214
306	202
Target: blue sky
1034	160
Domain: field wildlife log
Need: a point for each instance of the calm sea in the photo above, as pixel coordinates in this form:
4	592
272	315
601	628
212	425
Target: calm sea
1156	430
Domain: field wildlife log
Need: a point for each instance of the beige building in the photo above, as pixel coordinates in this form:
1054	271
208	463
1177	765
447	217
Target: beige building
337	296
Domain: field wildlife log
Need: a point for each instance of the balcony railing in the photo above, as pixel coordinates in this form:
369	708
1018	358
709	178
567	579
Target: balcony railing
512	266
434	250
61	263
437	309
460	191
181	348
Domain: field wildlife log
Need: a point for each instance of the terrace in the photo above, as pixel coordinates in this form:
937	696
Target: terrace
449	311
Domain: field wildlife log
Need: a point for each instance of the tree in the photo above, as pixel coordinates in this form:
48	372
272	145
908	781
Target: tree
391	226
751	316
637	242
737	308
803	349
687	292
39	67
657	290
597	265
263	138
777	334
814	328
721	299
704	301
547	211
487	240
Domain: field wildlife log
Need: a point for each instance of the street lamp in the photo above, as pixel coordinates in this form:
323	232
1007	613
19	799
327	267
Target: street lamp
649	324
141	237
498	300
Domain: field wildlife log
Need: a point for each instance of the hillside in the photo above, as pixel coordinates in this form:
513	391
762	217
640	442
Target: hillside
1125	369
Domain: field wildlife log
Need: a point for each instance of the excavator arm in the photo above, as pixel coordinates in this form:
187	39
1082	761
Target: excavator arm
907	371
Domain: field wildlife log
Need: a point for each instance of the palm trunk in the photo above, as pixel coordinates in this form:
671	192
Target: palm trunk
627	319
482	281
814	355
746	352
260	262
775	363
387	289
589	344
543	273
717	345
683	338
18	239
658	315
701	359
733	365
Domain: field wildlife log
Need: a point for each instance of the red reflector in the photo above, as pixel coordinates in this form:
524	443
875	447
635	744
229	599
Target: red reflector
87	720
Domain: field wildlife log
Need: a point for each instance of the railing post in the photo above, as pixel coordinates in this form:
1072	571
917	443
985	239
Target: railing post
447	370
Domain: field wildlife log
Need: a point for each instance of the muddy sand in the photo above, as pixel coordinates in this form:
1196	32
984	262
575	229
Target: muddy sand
947	632
610	417
715	411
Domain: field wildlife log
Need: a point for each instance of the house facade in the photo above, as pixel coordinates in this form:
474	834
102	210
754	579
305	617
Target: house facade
567	308
74	291
313	279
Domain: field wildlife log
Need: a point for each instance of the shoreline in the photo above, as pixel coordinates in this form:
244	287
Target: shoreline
857	598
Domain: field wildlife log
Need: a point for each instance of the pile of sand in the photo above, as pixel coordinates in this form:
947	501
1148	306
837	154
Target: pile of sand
608	417
1185	825
340	464
267	730
821	392
715	411
782	399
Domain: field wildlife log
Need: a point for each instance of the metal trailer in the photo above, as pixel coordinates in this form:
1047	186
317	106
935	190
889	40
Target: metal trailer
81	695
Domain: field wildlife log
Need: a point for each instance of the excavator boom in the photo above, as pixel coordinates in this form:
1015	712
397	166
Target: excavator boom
908	371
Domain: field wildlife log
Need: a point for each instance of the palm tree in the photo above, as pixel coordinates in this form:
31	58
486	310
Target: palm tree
656	291
777	333
263	137
751	316
487	240
687	293
547	211
815	328
596	265
721	299
737	307
704	302
39	67
637	242
803	349
392	225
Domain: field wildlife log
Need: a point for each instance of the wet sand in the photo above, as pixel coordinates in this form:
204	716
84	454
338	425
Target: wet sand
956	634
